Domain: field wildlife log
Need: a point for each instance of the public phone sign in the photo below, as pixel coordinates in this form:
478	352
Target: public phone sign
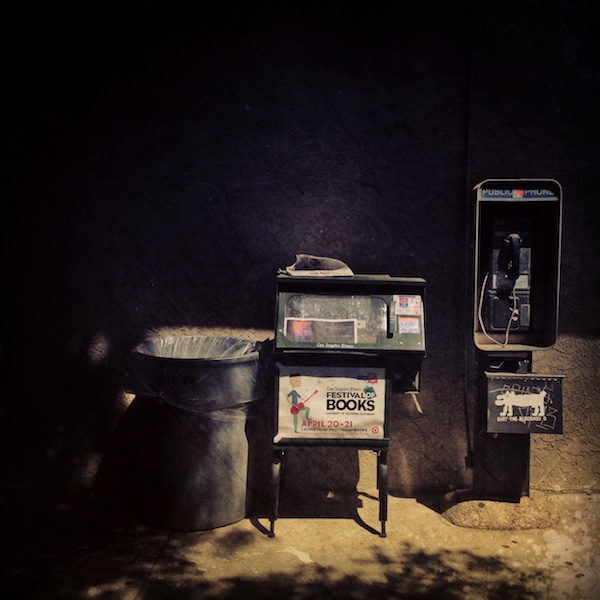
330	403
517	193
524	403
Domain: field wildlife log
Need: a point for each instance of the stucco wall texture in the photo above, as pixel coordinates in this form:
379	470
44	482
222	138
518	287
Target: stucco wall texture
165	164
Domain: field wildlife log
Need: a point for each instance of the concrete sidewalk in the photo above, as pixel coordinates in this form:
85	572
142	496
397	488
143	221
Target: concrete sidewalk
76	548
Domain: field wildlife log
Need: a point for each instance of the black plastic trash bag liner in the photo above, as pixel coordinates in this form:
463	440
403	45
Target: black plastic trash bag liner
179	459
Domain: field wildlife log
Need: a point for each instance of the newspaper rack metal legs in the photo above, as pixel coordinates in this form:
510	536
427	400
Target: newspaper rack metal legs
382	485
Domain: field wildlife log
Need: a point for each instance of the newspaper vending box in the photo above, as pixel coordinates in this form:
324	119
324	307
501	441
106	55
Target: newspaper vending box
342	345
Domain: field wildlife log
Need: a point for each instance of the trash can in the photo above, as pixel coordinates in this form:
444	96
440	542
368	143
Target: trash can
179	457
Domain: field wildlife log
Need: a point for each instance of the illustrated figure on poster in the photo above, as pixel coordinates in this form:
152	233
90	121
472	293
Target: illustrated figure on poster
510	398
295	398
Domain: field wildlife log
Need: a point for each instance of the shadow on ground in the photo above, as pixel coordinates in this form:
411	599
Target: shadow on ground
78	549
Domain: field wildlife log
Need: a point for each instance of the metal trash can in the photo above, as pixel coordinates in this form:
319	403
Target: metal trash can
179	456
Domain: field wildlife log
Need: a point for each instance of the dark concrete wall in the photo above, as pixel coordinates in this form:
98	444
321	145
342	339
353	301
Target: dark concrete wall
164	163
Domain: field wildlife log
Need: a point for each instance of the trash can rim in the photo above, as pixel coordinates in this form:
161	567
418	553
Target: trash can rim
251	352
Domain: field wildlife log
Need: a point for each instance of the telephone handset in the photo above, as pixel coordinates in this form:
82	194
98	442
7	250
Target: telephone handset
508	305
509	263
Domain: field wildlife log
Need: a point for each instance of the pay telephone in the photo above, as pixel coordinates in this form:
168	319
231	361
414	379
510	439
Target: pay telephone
517	263
509	283
516	272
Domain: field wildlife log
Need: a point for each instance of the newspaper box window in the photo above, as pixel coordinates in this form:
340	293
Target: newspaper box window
342	343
